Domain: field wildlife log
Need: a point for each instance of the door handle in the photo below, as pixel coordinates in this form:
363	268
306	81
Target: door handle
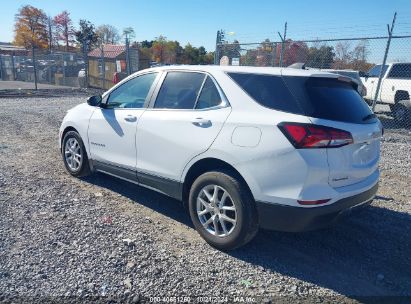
130	118
201	122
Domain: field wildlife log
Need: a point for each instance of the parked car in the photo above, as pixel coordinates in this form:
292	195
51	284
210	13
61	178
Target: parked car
355	75
395	88
242	147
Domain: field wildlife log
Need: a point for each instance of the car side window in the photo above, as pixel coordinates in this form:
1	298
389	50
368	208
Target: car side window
179	90
133	93
400	71
209	96
375	71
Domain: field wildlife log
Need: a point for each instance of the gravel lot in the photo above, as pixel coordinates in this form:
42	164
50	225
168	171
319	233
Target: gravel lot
63	238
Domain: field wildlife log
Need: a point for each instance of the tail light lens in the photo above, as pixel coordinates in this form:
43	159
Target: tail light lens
304	136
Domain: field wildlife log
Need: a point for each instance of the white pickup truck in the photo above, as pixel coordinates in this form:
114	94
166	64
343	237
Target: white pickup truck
395	89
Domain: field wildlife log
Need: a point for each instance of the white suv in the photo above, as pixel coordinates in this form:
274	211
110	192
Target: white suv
242	147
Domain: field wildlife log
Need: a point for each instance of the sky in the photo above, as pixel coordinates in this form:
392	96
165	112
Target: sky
248	21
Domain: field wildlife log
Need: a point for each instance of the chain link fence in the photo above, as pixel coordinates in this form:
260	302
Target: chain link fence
386	89
61	69
100	68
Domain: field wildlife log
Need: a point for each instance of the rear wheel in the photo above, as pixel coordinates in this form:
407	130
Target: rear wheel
402	113
75	155
222	210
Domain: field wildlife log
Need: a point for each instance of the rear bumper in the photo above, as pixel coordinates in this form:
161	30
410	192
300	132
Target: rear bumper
297	219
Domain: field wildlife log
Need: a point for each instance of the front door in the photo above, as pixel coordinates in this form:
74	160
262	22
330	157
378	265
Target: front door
113	126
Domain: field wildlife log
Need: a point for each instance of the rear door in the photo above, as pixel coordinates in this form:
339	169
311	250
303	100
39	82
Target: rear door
335	103
183	121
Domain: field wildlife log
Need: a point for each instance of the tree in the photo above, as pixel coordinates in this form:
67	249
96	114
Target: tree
231	50
295	51
64	28
86	35
147	44
359	55
321	57
128	33
159	48
108	34
51	30
343	56
31	31
264	54
190	54
30	28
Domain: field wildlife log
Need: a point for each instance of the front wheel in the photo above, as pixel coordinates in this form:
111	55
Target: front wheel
75	155
222	210
402	113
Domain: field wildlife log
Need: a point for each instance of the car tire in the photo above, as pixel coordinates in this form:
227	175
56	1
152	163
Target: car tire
229	235
74	155
402	113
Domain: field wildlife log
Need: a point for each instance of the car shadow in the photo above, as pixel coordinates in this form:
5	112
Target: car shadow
364	256
156	201
110	116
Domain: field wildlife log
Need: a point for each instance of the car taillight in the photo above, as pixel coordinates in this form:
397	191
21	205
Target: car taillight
304	136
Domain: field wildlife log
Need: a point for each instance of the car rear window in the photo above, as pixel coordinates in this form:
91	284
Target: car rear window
269	91
326	98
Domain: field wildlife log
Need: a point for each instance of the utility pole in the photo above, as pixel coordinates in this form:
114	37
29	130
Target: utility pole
218	46
128	32
387	48
283	39
217	42
128	55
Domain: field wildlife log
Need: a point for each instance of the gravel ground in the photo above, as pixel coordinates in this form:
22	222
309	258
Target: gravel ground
63	238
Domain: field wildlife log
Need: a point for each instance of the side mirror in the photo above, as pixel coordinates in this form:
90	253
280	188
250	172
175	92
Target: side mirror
94	100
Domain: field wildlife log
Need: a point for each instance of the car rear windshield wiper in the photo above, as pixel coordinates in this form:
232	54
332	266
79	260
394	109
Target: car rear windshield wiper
369	116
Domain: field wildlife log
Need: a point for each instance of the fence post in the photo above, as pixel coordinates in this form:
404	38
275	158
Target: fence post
274	54
387	48
34	66
137	68
64	69
13	67
128	63
283	44
103	67
85	54
1	67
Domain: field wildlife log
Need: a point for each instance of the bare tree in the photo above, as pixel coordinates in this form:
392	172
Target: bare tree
108	34
343	55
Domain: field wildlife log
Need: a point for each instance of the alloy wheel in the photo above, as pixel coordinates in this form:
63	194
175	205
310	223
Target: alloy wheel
216	210
73	154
